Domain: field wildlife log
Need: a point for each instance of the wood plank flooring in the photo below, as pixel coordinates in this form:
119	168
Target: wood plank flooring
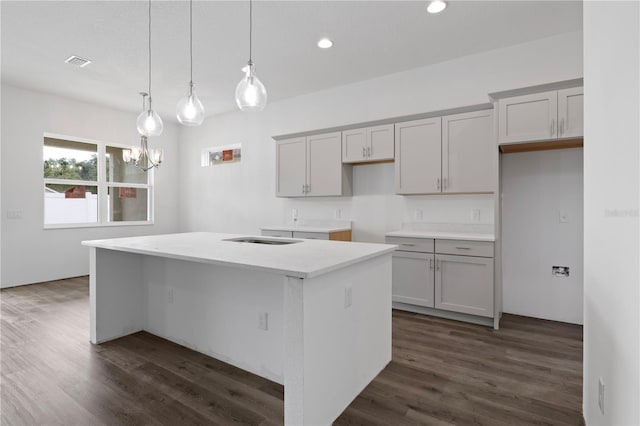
443	373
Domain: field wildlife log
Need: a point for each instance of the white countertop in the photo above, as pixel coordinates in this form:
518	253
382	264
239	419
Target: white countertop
442	235
310	225
303	228
306	259
446	231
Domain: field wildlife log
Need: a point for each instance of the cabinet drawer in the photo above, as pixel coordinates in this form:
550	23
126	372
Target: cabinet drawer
420	245
465	248
276	233
312	235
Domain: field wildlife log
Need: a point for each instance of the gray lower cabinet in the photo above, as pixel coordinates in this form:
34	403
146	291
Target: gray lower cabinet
464	284
413	279
450	275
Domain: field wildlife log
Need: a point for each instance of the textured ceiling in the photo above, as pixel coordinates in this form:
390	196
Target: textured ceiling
372	38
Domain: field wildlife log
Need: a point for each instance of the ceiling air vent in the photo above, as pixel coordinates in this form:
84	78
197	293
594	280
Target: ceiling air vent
77	61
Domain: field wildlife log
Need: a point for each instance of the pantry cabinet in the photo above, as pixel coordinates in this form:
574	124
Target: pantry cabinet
368	144
312	166
541	116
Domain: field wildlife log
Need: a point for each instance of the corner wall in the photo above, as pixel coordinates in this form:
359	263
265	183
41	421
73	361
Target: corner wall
611	201
240	197
31	253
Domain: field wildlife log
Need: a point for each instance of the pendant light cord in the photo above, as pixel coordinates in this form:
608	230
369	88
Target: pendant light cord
191	40
149	54
250	29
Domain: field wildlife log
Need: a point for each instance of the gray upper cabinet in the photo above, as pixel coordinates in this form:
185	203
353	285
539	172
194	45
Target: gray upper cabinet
451	154
556	114
368	144
469	152
312	166
291	167
418	167
571	112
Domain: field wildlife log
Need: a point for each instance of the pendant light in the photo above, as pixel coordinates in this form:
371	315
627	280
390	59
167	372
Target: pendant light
142	157
250	92
149	122
189	110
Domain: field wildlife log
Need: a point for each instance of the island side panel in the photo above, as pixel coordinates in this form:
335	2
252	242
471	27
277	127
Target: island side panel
216	310
344	345
116	294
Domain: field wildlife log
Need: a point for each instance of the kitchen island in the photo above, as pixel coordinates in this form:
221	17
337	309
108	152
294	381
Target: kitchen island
312	315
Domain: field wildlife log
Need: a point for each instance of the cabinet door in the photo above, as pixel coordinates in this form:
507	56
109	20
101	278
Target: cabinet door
571	112
381	146
469	152
290	167
311	235
464	284
528	117
418	156
324	164
354	146
412	278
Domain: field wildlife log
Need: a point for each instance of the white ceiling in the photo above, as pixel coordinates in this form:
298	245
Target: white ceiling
372	38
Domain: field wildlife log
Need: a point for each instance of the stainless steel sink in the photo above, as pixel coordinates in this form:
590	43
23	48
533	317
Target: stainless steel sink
266	241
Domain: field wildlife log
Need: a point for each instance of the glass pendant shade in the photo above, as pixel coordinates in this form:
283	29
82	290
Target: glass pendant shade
250	92
190	111
149	123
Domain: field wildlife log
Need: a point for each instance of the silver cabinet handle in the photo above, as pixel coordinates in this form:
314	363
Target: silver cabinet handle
551	128
369	151
445	183
308	188
407	245
364	152
562	126
431	264
438	184
463	248
303	188
437	265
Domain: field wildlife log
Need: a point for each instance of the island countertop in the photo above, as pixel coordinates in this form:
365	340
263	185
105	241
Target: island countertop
304	259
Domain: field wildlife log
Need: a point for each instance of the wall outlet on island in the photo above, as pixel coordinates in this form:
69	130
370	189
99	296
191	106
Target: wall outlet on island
263	321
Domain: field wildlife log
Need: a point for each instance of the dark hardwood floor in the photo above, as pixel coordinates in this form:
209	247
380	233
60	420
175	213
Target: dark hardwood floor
443	373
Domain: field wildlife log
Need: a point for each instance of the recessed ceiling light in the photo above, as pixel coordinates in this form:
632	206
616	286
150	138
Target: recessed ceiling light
436	6
77	61
324	43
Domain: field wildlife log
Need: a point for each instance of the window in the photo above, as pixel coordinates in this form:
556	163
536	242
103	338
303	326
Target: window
87	183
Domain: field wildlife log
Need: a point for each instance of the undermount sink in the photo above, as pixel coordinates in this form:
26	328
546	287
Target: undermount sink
266	241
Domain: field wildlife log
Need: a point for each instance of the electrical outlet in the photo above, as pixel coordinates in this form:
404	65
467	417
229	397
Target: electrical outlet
348	296
338	214
560	271
418	215
294	213
170	295
14	214
601	395
563	216
475	215
263	321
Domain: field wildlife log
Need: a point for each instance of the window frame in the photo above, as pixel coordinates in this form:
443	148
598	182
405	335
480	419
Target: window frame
103	187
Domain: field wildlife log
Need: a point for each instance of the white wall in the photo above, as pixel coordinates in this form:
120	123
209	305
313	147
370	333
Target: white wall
536	188
240	197
611	201
29	252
